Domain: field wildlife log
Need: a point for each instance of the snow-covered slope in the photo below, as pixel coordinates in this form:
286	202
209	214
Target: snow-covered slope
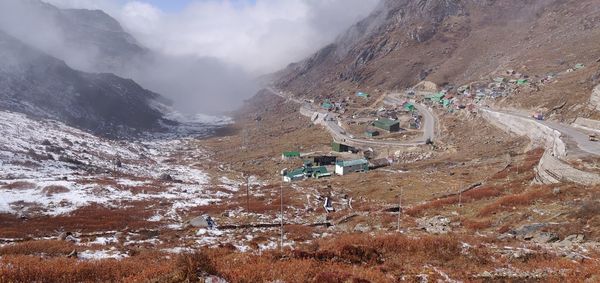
37	84
48	168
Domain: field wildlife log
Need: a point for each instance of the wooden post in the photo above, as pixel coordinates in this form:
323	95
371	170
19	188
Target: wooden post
281	228
399	208
247	194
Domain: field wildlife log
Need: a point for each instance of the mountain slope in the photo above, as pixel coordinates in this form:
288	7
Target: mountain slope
88	40
93	41
451	42
37	84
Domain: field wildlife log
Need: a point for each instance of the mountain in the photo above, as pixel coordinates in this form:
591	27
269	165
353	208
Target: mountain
88	40
40	85
93	41
450	42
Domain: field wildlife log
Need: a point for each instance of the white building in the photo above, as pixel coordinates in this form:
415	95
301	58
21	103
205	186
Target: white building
352	166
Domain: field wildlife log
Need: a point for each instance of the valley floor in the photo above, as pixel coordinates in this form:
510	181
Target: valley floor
101	210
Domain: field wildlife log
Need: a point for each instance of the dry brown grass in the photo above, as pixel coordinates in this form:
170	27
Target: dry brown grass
44	247
92	218
476	225
62	269
52	190
347	258
515	200
299	232
19	185
467	197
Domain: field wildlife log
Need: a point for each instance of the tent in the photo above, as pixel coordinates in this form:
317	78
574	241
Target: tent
436	97
446	102
409	106
362	94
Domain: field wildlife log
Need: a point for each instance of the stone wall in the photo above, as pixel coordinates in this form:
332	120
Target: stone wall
551	169
539	134
595	98
587	124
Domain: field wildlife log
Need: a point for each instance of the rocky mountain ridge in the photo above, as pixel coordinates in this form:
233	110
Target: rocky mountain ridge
449	43
39	85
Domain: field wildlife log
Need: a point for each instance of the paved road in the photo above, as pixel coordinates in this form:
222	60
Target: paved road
428	117
339	133
578	137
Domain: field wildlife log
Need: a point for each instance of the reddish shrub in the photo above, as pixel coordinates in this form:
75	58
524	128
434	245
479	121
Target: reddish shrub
52	190
476	225
20	185
526	198
46	247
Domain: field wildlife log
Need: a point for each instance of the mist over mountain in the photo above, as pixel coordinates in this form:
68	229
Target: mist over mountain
42	86
92	41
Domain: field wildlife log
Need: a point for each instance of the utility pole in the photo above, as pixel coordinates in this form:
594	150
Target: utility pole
399	208
281	228
247	193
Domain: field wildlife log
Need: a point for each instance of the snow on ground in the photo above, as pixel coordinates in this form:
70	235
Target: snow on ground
49	168
102	254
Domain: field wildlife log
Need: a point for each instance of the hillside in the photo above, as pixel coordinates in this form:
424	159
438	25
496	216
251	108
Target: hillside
37	84
454	43
434	141
88	40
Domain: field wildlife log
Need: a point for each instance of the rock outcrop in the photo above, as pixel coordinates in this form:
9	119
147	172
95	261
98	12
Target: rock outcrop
595	98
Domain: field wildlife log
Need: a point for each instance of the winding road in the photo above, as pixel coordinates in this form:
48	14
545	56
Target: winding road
572	134
339	134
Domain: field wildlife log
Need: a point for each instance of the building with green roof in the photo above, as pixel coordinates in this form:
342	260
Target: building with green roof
371	133
290	155
437	97
338	147
387	124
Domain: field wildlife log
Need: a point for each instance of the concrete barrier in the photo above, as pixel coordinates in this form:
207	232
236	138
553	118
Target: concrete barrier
551	169
595	98
587	124
539	134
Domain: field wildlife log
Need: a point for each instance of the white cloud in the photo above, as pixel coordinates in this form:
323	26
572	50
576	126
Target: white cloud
107	5
262	36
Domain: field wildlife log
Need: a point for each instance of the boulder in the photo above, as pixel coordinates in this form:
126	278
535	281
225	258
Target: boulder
527	229
574	239
199	222
595	98
426	86
214	279
543	237
435	225
166	177
362	228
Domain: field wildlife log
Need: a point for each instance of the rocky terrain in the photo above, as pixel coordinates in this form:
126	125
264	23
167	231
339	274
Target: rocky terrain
505	189
45	87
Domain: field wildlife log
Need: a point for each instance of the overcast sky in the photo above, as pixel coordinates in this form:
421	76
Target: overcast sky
260	35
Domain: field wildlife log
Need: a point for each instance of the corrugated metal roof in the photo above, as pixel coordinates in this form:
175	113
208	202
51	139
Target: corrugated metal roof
352	162
386	122
295	172
291	154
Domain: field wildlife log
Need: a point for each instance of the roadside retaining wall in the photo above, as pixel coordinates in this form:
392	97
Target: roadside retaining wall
551	169
595	98
539	134
587	124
